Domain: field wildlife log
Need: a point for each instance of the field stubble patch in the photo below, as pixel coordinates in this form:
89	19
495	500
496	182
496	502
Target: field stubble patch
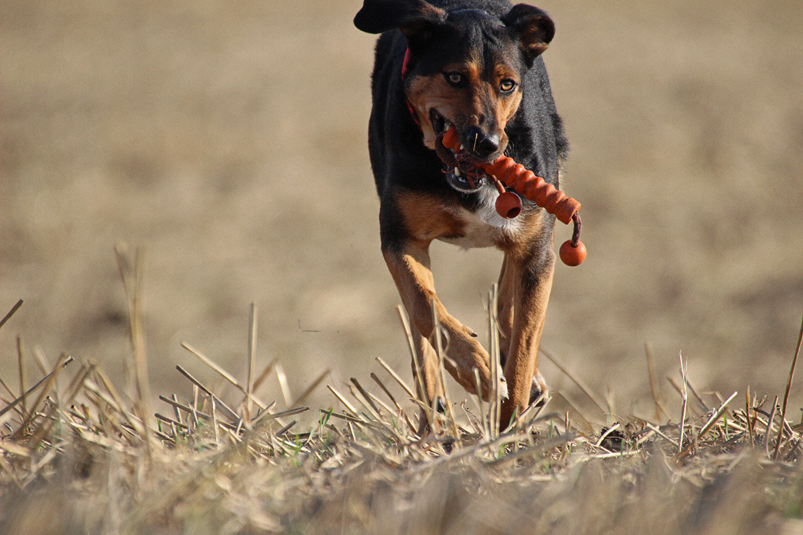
75	455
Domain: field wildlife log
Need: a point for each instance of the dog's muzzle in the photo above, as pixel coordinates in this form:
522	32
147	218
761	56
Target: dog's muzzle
459	169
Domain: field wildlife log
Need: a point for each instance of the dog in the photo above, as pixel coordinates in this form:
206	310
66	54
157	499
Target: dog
476	66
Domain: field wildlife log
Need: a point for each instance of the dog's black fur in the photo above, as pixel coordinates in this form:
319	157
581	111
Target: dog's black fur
537	137
409	174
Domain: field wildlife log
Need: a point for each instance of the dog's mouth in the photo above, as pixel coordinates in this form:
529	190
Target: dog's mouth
458	169
438	121
461	182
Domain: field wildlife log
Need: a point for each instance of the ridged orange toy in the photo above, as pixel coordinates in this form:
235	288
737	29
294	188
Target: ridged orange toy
524	182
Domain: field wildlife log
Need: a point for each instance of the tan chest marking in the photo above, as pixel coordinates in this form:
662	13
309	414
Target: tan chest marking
427	218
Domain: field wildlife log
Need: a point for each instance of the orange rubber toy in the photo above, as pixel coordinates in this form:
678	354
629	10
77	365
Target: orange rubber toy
524	182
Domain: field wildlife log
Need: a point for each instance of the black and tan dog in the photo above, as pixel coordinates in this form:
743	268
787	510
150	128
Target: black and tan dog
473	65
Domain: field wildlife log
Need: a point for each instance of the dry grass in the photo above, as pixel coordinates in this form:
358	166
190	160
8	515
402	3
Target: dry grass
77	457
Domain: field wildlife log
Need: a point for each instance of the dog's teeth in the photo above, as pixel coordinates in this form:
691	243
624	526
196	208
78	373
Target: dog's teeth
456	171
461	146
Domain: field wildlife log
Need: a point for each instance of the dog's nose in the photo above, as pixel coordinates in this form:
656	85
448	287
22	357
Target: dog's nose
480	143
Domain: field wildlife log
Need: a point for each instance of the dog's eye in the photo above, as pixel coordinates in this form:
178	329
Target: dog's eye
455	78
507	85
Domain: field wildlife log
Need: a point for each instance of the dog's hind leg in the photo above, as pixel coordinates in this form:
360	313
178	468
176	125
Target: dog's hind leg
525	286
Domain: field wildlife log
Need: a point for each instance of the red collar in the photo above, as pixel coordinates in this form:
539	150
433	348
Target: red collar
405	63
405	66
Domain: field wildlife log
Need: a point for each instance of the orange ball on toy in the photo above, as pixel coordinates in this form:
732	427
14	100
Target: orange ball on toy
572	256
508	205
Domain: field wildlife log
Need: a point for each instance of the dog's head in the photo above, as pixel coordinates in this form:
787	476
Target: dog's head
465	66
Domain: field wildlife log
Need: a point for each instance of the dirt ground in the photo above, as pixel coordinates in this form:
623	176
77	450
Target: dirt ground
229	140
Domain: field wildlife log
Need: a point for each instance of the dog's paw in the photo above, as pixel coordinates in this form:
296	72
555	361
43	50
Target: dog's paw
539	389
503	392
440	405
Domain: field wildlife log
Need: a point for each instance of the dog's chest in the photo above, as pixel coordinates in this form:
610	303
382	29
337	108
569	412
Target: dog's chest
484	227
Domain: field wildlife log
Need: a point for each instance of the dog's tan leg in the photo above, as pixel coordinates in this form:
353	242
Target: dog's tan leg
526	283
505	309
427	368
427	372
410	268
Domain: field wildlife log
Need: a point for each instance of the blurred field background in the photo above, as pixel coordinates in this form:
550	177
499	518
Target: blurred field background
229	140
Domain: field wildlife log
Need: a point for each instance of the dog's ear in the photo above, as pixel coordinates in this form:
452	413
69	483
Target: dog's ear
414	18
534	28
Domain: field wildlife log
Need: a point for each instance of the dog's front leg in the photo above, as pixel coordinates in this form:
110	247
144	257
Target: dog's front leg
425	369
409	264
525	285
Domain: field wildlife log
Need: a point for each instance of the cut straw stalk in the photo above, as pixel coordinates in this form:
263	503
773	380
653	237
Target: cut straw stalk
399	410
21	368
385	406
40	360
607	432
493	343
311	388
133	276
262	376
531	413
10	392
196	414
419	370
708	425
230	414
385	390
703	408
396	377
441	352
374	409
252	347
770	422
575	379
10	313
345	402
266	416
49	384
225	374
107	396
788	389
748	420
33	389
284	385
73	389
484	418
661	434
659	408
685	398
